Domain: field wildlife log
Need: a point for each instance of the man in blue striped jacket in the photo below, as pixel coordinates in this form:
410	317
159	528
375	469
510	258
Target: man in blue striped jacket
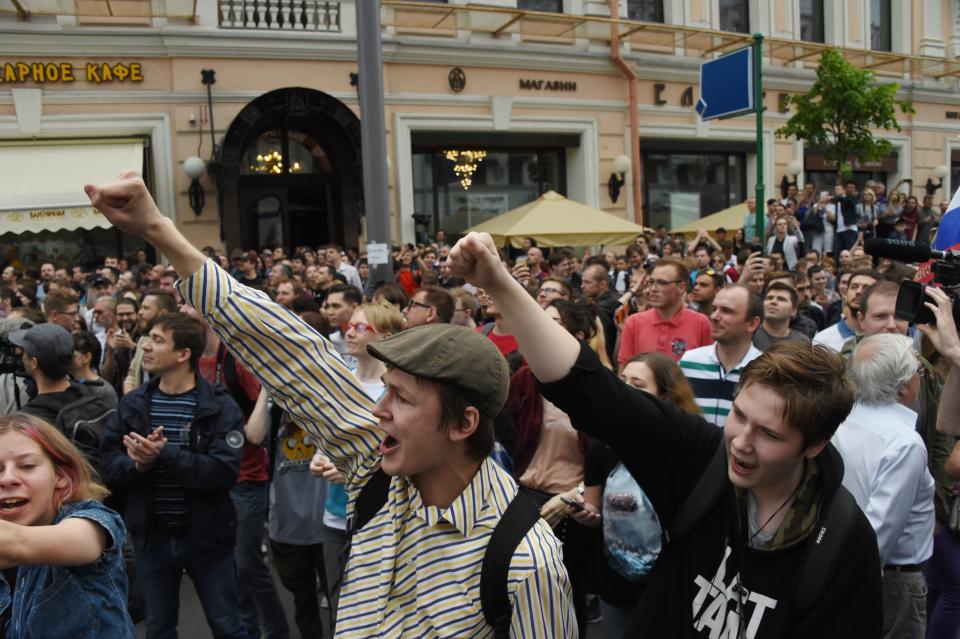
414	568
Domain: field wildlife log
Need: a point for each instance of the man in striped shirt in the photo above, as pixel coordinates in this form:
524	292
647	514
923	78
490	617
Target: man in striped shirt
414	568
714	371
173	447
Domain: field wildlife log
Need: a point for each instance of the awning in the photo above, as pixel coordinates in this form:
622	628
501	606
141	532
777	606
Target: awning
42	185
553	220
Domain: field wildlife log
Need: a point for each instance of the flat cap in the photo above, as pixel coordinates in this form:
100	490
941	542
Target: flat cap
450	354
49	343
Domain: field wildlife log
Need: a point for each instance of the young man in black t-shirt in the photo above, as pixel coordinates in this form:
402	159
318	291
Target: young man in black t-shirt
736	571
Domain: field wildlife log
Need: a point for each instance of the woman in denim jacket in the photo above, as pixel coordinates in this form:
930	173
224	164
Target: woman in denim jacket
60	549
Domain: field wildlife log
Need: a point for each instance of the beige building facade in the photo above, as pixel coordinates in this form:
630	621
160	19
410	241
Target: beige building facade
520	97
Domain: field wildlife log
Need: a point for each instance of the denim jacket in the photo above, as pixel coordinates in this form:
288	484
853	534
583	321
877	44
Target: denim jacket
207	468
79	602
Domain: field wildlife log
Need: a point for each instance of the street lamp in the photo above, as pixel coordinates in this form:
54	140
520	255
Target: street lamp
940	172
621	165
194	167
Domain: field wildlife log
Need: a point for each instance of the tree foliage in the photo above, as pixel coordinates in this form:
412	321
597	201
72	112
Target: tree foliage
838	112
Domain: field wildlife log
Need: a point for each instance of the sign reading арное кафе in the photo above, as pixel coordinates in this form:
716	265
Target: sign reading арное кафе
66	72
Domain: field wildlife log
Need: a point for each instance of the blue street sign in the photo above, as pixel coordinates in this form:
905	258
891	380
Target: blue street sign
726	85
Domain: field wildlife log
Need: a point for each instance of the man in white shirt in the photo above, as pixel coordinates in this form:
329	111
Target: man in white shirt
335	259
886	472
834	336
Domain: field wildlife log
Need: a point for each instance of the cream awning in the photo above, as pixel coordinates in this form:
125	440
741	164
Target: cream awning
731	219
42	184
553	220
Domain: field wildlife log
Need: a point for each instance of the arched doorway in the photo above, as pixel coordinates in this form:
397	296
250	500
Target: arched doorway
290	172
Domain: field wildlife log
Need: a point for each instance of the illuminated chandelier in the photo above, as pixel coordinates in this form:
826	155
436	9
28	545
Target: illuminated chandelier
272	164
465	165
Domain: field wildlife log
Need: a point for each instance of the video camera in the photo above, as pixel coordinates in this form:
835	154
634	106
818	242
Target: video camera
11	362
911	298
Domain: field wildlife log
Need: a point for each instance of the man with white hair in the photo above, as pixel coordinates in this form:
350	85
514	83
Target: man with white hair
886	472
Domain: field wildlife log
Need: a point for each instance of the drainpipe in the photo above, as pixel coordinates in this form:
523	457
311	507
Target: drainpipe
631	77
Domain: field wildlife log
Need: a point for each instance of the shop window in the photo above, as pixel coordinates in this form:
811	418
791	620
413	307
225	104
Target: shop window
645	10
498	180
734	16
551	6
881	36
811	21
285	152
680	187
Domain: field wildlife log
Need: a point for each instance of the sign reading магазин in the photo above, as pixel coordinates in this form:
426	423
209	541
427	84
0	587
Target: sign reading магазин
547	85
66	72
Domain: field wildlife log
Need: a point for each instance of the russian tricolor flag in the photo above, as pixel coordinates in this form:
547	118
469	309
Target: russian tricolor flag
948	235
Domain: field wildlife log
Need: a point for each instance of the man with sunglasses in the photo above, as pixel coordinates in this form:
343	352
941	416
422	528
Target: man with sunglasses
553	288
668	327
429	305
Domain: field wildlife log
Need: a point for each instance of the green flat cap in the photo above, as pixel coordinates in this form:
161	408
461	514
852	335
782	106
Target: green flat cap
450	354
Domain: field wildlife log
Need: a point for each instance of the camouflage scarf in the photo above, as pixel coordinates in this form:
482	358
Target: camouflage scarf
801	516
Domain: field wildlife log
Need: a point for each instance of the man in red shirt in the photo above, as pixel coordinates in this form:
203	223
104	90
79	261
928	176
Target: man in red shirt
668	327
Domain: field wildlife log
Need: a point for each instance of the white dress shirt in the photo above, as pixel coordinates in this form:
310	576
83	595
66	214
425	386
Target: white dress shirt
885	469
350	272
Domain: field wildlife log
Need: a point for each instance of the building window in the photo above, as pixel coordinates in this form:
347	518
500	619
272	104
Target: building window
734	16
505	179
680	187
551	6
881	38
645	10
811	21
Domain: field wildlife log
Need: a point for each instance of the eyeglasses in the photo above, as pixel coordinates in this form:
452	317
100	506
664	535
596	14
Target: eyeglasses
413	303
802	288
548	291
663	283
360	327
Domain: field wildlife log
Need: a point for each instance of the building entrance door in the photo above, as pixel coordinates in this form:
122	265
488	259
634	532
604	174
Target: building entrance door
290	173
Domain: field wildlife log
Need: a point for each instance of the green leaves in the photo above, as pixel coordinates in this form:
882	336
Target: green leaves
840	109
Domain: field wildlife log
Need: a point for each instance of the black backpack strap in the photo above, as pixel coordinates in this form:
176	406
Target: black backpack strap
707	491
823	550
520	516
371	499
231	381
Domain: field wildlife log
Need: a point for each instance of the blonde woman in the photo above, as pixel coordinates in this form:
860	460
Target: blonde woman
369	323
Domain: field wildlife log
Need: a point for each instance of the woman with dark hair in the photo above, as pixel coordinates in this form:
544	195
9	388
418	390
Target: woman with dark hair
612	499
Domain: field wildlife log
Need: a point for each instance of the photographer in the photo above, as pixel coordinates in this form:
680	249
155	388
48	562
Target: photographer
14	382
942	573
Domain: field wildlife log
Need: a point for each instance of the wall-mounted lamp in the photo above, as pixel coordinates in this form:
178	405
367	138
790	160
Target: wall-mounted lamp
940	172
194	168
621	166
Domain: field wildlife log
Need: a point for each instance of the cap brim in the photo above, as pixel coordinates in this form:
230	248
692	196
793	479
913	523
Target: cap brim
16	337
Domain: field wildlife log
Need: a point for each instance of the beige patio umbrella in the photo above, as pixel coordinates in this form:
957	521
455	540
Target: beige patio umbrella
729	218
553	220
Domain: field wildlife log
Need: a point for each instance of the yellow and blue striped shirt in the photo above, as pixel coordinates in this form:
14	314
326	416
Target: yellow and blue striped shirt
414	570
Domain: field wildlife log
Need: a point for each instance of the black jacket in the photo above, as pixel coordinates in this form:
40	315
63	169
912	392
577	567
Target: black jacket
606	306
208	469
692	591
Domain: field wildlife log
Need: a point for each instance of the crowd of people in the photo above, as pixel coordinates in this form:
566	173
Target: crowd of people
414	453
